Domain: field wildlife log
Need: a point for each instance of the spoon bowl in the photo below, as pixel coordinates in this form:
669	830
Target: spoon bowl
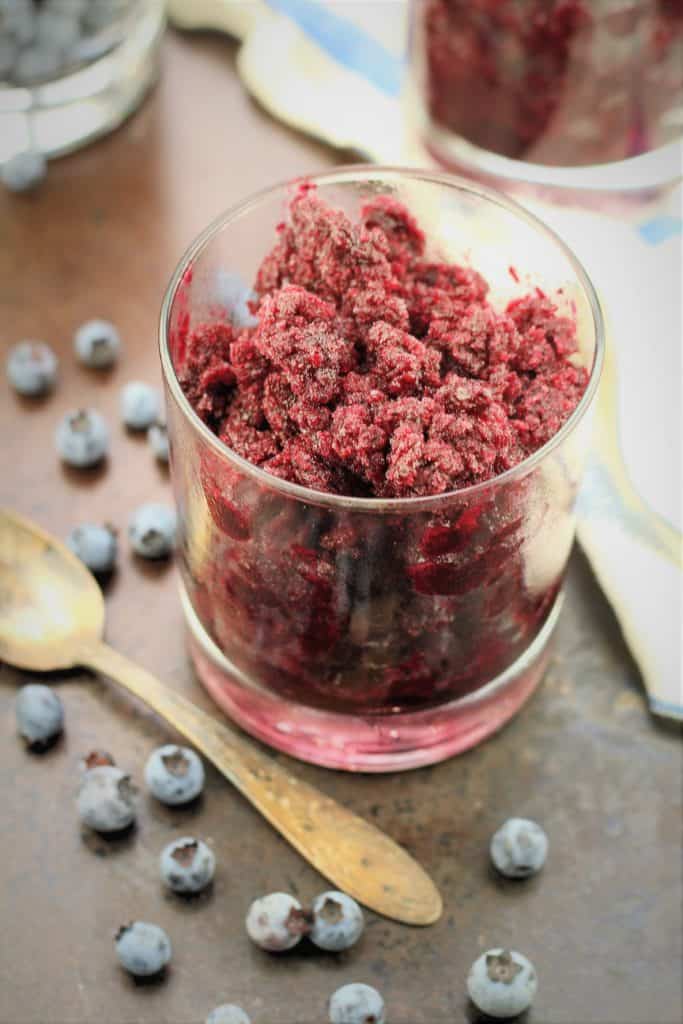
52	617
50	605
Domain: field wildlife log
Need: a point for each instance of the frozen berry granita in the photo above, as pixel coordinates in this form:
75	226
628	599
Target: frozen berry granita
558	82
375	372
416	558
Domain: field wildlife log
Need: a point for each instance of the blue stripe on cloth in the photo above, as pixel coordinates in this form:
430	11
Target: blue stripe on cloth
345	43
660	228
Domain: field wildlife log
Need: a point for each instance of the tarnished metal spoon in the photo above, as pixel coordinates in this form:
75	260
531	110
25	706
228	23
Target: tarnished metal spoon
52	617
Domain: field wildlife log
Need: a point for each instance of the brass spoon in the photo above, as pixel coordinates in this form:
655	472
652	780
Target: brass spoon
52	617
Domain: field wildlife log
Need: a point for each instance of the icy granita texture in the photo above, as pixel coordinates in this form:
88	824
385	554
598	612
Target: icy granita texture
376	371
562	82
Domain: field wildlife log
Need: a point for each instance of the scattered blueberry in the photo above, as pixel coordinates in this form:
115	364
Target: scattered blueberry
276	922
519	848
502	983
95	759
96	546
40	715
32	368
139	405
157	435
37	63
152	531
187	865
24	171
82	438
58	28
106	799
338	921
97	344
174	774
228	1014
356	1004
143	949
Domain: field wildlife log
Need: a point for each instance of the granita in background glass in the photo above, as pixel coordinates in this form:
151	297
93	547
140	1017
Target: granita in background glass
569	93
377	386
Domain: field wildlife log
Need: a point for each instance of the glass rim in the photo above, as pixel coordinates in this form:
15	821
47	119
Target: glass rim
348	174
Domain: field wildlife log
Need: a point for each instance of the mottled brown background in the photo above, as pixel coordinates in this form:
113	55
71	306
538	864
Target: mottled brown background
602	924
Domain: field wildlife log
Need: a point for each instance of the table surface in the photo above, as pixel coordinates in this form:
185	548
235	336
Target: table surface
603	921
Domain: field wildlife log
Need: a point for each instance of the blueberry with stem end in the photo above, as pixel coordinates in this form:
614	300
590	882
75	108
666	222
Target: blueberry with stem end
106	799
338	921
152	531
519	848
174	774
32	368
82	438
97	344
40	715
277	922
143	949
502	983
187	865
96	546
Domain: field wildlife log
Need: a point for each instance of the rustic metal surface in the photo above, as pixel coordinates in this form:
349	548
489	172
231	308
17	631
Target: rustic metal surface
602	923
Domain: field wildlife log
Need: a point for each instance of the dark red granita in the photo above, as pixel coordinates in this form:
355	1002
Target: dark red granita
375	370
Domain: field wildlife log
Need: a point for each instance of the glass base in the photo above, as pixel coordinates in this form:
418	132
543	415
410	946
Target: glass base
374	743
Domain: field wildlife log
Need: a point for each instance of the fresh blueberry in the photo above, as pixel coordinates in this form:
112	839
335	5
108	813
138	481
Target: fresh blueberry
106	799
356	1004
32	368
139	405
157	435
174	774
152	531
519	848
82	438
277	922
24	171
8	55
187	865
58	28
40	715
502	983
96	546
19	19
143	949
234	295
37	63
338	921
97	344
228	1014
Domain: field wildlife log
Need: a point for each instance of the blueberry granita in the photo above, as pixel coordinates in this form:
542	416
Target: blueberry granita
555	82
422	548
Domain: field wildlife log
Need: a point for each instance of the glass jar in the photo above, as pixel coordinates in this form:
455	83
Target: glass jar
362	633
571	94
66	81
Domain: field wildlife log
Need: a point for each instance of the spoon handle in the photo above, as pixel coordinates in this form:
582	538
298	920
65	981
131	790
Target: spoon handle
352	853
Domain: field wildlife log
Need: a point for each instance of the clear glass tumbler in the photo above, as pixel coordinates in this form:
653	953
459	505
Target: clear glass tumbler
361	633
584	95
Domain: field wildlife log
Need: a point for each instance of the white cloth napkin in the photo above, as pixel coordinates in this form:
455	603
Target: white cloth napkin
333	68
